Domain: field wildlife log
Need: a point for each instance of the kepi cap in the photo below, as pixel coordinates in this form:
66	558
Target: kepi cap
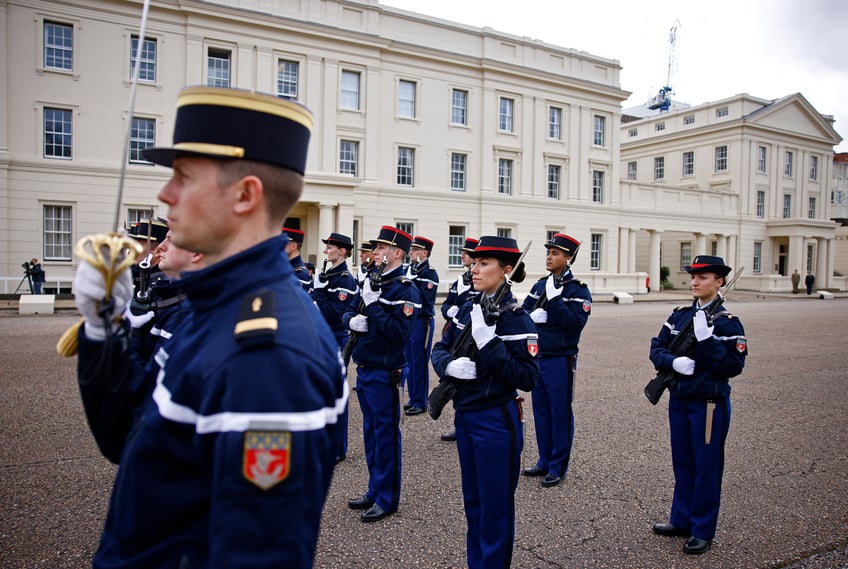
295	235
502	248
394	237
422	243
234	124
338	240
469	244
563	242
157	230
708	264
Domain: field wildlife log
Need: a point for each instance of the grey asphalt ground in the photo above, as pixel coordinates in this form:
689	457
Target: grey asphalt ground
785	500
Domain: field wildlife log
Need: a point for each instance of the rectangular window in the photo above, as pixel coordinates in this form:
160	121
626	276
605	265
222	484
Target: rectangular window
811	209
814	168
787	206
287	79
761	159
810	252
758	256
633	132
555	123
457	169
505	114
406	227
142	136
689	119
350	90
504	232
58	46
349	157
659	126
406	166
406	99
456	239
599	133
597	186
722	112
504	176
147	61
685	255
689	163
218	68
58	133
721	158
761	204
595	252
459	107
787	164
554	177
57	233
632	171
659	168
134	215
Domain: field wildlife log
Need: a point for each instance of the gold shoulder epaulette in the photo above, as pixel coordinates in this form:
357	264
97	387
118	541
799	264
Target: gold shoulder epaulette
257	317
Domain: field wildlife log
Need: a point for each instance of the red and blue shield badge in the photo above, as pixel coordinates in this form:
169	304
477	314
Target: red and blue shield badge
342	295
267	457
532	347
741	345
408	309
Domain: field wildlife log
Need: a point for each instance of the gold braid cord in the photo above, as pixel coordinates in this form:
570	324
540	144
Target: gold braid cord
111	254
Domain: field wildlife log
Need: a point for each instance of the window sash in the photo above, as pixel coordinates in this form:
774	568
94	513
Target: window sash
456	239
57	232
659	168
349	157
350	90
761	159
505	114
811	208
406	166
787	164
147	62
555	123
814	168
632	170
685	255
787	206
688	163
595	252
58	46
758	256
597	186
142	136
459	107
721	158
218	68
406	99
58	133
457	171
287	78
504	176
600	127
761	204
554	178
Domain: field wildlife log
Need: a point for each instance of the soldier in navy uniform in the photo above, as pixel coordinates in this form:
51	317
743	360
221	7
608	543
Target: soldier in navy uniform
365	262
301	272
230	460
150	233
459	293
334	291
489	431
699	403
420	342
559	305
383	319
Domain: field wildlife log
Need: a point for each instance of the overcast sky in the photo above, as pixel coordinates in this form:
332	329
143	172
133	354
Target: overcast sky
766	48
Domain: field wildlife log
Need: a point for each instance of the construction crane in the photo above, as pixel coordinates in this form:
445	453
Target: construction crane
662	100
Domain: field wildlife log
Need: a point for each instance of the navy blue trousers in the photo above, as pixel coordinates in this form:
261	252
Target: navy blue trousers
553	415
417	351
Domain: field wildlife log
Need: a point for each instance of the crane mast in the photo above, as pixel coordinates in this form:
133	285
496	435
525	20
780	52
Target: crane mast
662	100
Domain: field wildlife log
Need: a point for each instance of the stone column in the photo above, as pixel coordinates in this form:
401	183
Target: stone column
797	254
822	271
654	262
631	265
700	247
721	248
623	249
326	222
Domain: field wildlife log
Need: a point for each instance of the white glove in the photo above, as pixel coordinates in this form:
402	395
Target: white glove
551	291
368	295
683	365
480	331
452	311
317	282
461	368
360	274
702	329
358	323
89	292
539	316
138	321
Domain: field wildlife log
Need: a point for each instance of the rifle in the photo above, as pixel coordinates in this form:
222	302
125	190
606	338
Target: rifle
542	301
464	346
375	276
684	345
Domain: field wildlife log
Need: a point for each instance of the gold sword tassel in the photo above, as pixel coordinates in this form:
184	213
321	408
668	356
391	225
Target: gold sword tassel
111	254
708	433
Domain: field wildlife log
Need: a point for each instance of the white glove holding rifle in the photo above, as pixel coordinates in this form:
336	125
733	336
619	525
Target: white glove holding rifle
89	294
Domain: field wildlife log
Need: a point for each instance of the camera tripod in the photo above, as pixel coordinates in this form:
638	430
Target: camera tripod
26	279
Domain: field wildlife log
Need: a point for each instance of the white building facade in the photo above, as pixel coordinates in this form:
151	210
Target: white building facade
441	129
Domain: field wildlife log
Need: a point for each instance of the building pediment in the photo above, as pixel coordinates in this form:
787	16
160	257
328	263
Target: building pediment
795	115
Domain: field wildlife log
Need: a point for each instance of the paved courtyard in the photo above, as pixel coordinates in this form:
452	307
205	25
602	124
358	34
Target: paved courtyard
785	500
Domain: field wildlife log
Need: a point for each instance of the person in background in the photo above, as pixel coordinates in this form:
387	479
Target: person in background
37	274
420	342
560	306
301	272
699	403
796	282
809	281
